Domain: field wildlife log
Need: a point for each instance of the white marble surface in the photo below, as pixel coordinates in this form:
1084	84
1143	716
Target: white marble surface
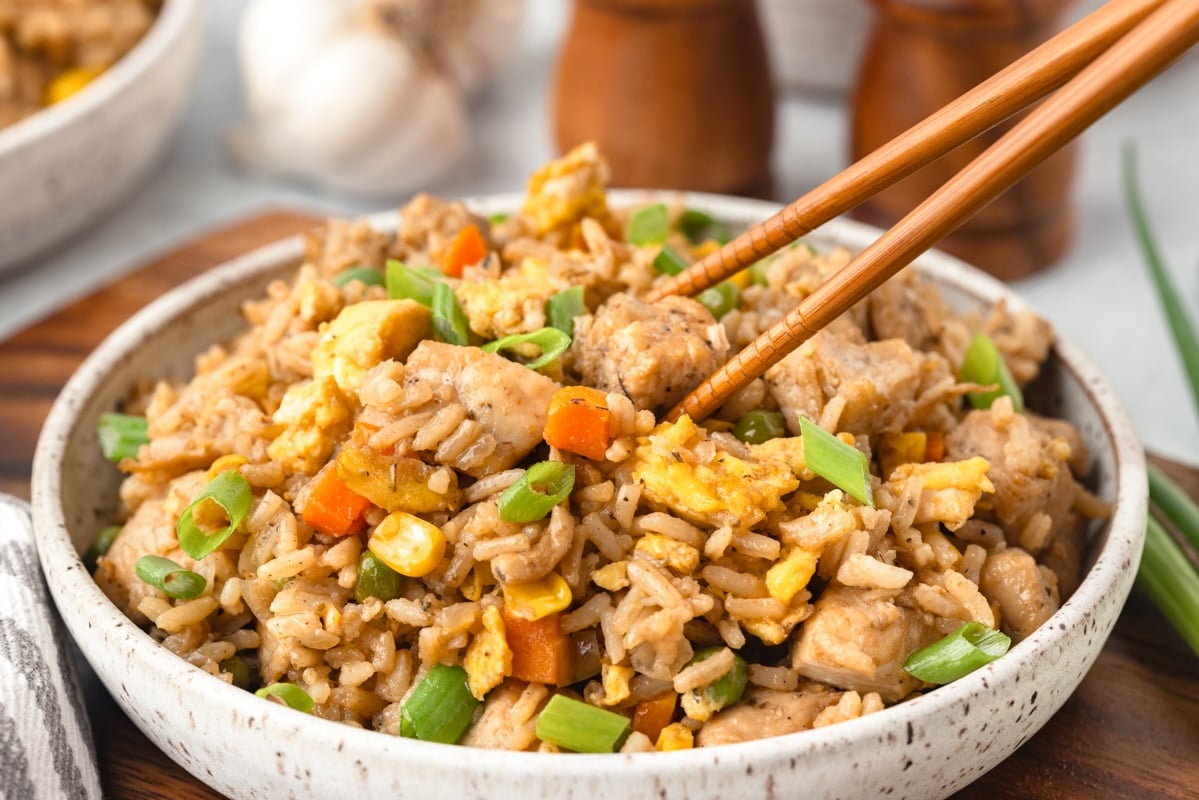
1098	296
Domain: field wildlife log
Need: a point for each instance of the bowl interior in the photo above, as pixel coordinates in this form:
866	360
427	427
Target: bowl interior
75	495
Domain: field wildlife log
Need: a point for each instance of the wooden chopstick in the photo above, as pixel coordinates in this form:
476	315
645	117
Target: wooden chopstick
1011	90
1129	63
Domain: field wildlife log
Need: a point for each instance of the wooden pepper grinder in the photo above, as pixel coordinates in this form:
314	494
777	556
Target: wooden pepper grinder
921	55
676	93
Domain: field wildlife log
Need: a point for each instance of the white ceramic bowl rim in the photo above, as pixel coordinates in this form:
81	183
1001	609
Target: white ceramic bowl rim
1120	554
117	79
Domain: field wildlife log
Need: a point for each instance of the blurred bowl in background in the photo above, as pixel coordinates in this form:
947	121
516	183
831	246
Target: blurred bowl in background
67	165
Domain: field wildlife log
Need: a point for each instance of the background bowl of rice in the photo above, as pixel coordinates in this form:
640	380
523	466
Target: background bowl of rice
77	159
246	747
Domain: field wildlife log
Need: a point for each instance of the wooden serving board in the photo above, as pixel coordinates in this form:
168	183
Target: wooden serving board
1130	731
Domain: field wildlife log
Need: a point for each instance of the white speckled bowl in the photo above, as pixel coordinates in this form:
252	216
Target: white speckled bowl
249	748
72	162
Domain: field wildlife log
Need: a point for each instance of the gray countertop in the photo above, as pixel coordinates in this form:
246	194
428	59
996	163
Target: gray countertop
1098	295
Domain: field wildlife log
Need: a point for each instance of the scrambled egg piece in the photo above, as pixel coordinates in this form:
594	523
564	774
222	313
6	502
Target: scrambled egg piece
679	556
616	683
488	658
792	573
315	417
726	491
785	450
365	334
950	489
515	303
565	191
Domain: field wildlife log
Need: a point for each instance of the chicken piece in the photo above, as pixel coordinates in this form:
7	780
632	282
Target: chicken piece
858	639
725	490
513	303
880	383
508	402
508	720
766	712
565	191
652	353
366	334
315	417
1029	467
1012	580
907	308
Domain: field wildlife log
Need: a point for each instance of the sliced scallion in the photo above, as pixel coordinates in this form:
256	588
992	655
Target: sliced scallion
121	435
289	693
367	276
229	490
496	219
648	225
983	364
668	262
412	283
449	321
969	647
841	464
440	708
699	226
721	298
543	486
582	728
100	546
562	308
550	342
163	573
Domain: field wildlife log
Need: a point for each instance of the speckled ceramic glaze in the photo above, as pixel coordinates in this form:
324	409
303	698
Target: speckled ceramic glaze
67	165
249	748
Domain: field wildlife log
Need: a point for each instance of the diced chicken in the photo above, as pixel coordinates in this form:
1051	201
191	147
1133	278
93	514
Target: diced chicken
652	353
858	639
766	712
880	383
508	720
507	401
909	309
1012	580
366	334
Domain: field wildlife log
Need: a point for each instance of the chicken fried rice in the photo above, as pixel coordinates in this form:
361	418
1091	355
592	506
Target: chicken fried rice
429	491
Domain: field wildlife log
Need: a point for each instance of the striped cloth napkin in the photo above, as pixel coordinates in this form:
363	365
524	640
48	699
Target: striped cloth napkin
46	748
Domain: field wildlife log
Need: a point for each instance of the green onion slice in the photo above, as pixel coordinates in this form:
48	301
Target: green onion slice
759	425
698	227
100	546
449	320
121	435
543	486
232	493
575	725
289	693
165	574
669	262
841	464
551	343
368	276
412	283
969	647
648	225
496	219
721	298
983	364
440	708
563	307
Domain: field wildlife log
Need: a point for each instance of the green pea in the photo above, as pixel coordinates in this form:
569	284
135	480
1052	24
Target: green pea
100	546
721	298
759	426
238	669
376	579
728	688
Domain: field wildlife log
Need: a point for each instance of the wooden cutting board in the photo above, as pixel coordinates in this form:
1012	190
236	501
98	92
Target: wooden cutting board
1130	731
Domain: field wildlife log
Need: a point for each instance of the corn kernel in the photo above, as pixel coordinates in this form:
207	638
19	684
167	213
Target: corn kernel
408	544
675	736
70	82
533	600
679	556
224	464
616	683
787	577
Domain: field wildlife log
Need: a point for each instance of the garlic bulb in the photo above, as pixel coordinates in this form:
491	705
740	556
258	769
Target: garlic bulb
365	97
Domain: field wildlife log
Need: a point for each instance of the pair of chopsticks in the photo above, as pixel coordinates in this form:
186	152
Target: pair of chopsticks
1094	65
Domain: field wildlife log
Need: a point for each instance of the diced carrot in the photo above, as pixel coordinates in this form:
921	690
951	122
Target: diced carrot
651	716
578	421
468	248
333	507
934	448
541	652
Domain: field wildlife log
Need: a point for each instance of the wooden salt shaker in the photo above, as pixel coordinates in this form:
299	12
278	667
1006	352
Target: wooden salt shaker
921	55
676	93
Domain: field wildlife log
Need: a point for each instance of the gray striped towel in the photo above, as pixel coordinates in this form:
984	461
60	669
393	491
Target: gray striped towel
46	748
